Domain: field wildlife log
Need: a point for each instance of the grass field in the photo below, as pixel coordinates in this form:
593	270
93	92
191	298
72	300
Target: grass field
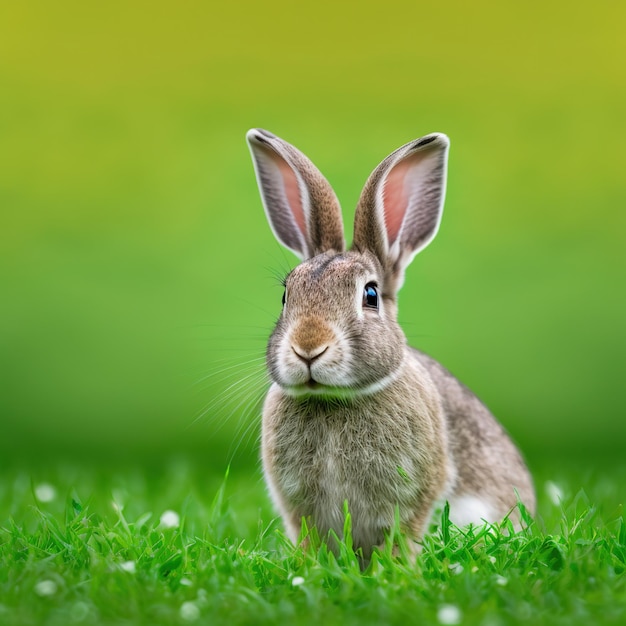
166	546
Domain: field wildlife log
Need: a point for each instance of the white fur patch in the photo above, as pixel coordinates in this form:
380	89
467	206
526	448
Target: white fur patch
469	509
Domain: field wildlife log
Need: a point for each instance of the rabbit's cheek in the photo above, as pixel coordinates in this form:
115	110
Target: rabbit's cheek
290	369
333	369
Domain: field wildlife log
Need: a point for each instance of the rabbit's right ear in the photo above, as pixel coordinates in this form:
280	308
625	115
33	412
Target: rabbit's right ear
300	204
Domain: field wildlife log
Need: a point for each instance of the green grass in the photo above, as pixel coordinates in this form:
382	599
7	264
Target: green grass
98	552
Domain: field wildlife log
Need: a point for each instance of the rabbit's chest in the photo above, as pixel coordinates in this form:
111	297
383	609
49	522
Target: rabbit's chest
367	460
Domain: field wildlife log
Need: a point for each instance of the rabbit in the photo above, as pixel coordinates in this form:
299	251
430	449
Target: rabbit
354	414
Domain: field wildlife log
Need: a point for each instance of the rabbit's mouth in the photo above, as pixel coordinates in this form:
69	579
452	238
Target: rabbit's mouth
314	388
346	391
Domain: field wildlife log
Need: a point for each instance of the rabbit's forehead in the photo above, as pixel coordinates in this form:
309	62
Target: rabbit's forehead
328	271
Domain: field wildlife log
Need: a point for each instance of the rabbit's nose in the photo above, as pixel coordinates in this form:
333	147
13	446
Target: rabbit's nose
310	338
308	356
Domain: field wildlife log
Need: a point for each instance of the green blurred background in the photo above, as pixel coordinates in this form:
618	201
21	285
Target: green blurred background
138	276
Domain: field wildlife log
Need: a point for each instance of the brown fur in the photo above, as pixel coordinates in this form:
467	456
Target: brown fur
311	334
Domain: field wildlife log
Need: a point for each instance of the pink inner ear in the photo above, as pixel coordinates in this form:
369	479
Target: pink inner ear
395	199
292	192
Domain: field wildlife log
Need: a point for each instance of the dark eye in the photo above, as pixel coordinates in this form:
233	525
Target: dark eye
370	296
284	297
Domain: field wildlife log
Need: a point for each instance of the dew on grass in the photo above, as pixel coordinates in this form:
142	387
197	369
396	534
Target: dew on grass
44	492
449	614
189	611
170	519
45	588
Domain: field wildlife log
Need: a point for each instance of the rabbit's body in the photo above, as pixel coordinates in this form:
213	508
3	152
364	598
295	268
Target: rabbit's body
354	414
368	451
486	462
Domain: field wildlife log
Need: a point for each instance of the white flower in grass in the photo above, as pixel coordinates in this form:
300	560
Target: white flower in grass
455	568
79	612
129	566
296	581
45	588
449	614
492	559
185	582
170	519
44	492
189	611
502	581
554	492
202	598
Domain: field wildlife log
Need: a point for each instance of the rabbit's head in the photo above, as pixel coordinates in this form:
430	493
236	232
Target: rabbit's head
338	333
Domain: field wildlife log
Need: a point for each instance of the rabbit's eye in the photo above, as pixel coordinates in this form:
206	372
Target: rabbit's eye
370	296
284	297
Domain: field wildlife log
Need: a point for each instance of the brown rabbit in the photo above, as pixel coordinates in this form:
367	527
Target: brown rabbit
354	414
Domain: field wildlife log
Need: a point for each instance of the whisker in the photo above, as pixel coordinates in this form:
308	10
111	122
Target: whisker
228	393
246	426
236	366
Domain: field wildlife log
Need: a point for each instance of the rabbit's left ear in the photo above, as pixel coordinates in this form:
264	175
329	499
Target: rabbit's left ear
300	204
401	205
